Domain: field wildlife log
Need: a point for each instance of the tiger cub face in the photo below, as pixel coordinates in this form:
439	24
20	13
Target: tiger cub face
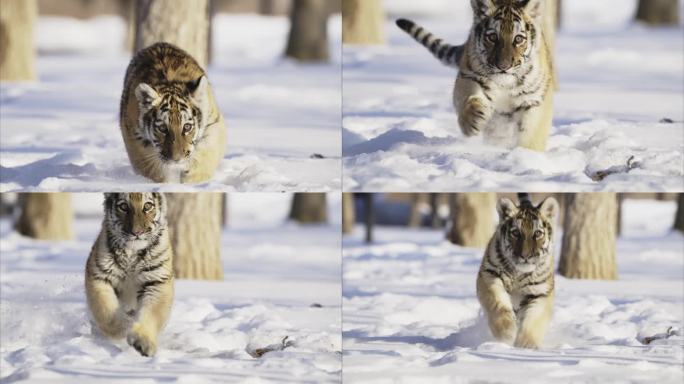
134	219
527	232
506	31
172	118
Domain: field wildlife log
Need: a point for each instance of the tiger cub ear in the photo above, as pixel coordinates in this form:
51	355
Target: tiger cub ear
506	208
482	8
198	90
147	97
549	208
533	8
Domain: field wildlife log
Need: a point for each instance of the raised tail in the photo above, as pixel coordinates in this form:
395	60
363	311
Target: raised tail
524	199
448	54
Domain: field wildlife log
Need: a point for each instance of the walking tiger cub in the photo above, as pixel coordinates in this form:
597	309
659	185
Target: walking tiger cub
129	274
171	125
504	83
515	282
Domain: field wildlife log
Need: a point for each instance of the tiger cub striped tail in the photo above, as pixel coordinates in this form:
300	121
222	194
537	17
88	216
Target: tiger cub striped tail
448	54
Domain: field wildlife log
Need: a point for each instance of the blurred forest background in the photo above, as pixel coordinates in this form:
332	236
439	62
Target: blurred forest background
590	222
196	221
186	24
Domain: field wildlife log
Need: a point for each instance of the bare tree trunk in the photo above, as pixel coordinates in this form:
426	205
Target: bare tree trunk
308	39
472	218
7	206
127	13
414	216
363	22
620	198
658	12
224	210
589	232
309	208
267	7
679	217
348	216
370	216
17	55
195	231
46	216
186	24
434	211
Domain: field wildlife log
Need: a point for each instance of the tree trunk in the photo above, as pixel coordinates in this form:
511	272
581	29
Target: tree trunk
472	218
46	216
224	210
589	232
195	231
658	12
348	216
435	221
618	222
186	24
17	54
415	218
679	217
308	39
370	216
363	22
309	208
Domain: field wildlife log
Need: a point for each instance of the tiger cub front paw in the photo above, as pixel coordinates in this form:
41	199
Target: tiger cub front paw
474	116
504	327
525	341
142	343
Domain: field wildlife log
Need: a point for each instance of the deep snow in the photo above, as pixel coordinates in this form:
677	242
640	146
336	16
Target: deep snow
618	80
410	313
61	132
276	276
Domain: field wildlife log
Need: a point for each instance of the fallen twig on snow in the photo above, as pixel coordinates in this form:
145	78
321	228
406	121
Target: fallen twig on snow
258	352
660	336
628	166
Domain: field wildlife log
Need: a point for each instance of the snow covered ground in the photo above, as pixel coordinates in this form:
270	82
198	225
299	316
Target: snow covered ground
618	80
410	313
281	280
61	132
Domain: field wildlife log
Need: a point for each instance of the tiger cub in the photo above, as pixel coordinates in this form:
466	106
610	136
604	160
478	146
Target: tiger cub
171	125
504	84
515	282
129	274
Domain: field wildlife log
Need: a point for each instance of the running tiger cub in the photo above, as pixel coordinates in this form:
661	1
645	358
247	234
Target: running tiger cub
515	282
171	125
129	274
503	88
